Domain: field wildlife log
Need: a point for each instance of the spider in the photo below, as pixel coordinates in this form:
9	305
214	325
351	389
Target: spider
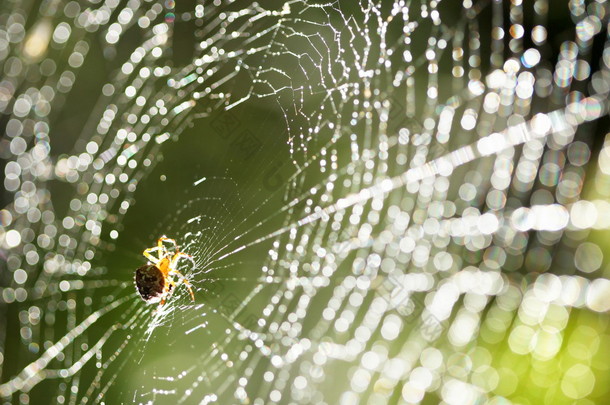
154	280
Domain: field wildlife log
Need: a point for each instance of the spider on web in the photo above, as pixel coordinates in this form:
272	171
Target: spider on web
155	280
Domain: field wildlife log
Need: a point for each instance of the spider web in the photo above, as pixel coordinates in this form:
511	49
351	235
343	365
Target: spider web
386	202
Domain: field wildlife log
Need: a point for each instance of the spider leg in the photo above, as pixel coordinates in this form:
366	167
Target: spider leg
173	271
162	249
149	256
168	287
166	239
184	281
177	257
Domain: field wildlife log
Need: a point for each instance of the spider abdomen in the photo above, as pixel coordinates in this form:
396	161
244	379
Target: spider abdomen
150	283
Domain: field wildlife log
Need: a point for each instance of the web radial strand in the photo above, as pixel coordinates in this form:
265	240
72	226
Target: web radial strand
385	201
